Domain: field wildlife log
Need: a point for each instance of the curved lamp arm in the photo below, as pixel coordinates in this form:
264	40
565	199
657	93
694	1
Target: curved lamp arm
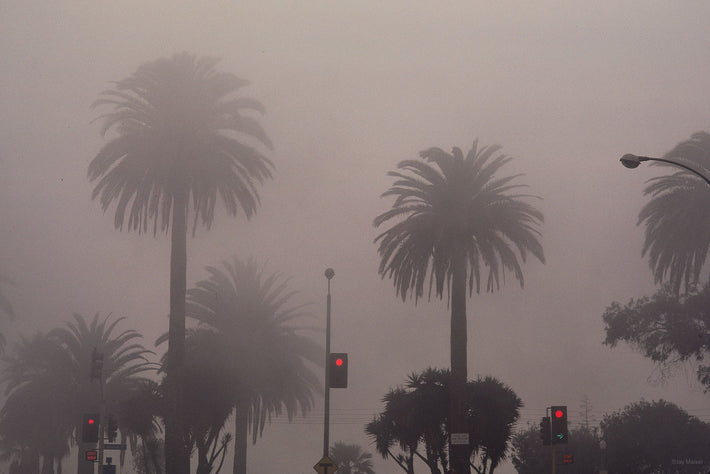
632	161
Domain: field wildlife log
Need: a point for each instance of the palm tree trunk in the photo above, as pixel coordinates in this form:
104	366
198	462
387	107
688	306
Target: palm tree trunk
241	433
177	454
459	454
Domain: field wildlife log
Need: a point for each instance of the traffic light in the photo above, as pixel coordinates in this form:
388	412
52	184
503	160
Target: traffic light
111	428
338	370
545	431
558	424
90	428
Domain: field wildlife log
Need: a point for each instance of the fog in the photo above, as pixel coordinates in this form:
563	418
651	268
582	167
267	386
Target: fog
351	89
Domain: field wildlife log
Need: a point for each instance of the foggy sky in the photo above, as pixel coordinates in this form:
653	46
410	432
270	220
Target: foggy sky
350	89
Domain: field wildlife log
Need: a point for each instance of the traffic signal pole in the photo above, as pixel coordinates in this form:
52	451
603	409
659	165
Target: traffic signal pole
329	274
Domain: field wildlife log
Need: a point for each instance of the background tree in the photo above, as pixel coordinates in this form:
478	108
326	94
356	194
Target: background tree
208	397
270	357
529	456
48	385
677	230
649	436
666	328
452	215
179	139
351	459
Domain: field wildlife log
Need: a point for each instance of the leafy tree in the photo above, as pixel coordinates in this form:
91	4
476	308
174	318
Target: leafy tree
48	386
648	437
351	459
677	231
452	215
418	413
531	457
179	140
666	328
269	355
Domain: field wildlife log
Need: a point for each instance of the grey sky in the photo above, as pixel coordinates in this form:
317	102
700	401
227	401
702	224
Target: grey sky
352	88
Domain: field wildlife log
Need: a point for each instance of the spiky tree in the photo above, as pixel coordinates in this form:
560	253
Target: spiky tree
181	141
453	215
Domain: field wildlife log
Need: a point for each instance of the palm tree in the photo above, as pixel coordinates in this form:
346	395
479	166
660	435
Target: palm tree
39	414
49	387
208	398
677	230
351	459
451	215
5	307
181	137
269	355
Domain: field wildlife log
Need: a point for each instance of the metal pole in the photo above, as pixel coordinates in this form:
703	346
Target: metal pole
554	448
329	274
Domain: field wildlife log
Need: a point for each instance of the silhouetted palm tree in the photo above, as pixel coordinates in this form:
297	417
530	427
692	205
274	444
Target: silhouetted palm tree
181	138
677	228
269	355
208	396
49	388
6	308
451	216
351	459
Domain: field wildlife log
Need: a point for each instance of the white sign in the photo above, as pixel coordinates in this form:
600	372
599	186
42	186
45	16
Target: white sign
459	438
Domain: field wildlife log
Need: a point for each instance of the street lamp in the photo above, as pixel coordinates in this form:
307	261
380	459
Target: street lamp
602	448
632	161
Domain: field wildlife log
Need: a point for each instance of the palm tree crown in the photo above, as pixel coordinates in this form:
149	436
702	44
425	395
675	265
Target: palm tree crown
178	133
270	356
677	228
452	208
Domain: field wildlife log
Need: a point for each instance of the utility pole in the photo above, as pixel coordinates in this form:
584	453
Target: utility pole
329	274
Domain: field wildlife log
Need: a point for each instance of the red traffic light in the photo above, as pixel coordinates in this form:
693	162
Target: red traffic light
91	421
559	413
338	370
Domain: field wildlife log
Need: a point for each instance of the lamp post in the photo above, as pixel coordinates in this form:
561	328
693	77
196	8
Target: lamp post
602	449
632	161
329	274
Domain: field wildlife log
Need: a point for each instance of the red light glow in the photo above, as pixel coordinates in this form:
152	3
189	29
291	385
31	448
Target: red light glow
559	414
338	362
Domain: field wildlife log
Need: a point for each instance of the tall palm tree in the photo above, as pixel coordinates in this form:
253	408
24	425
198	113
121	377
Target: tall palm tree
181	137
677	228
351	459
270	356
452	215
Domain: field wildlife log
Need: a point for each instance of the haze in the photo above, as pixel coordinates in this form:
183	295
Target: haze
351	89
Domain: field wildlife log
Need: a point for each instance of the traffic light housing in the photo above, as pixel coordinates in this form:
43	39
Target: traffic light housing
90	428
338	370
545	431
558	425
